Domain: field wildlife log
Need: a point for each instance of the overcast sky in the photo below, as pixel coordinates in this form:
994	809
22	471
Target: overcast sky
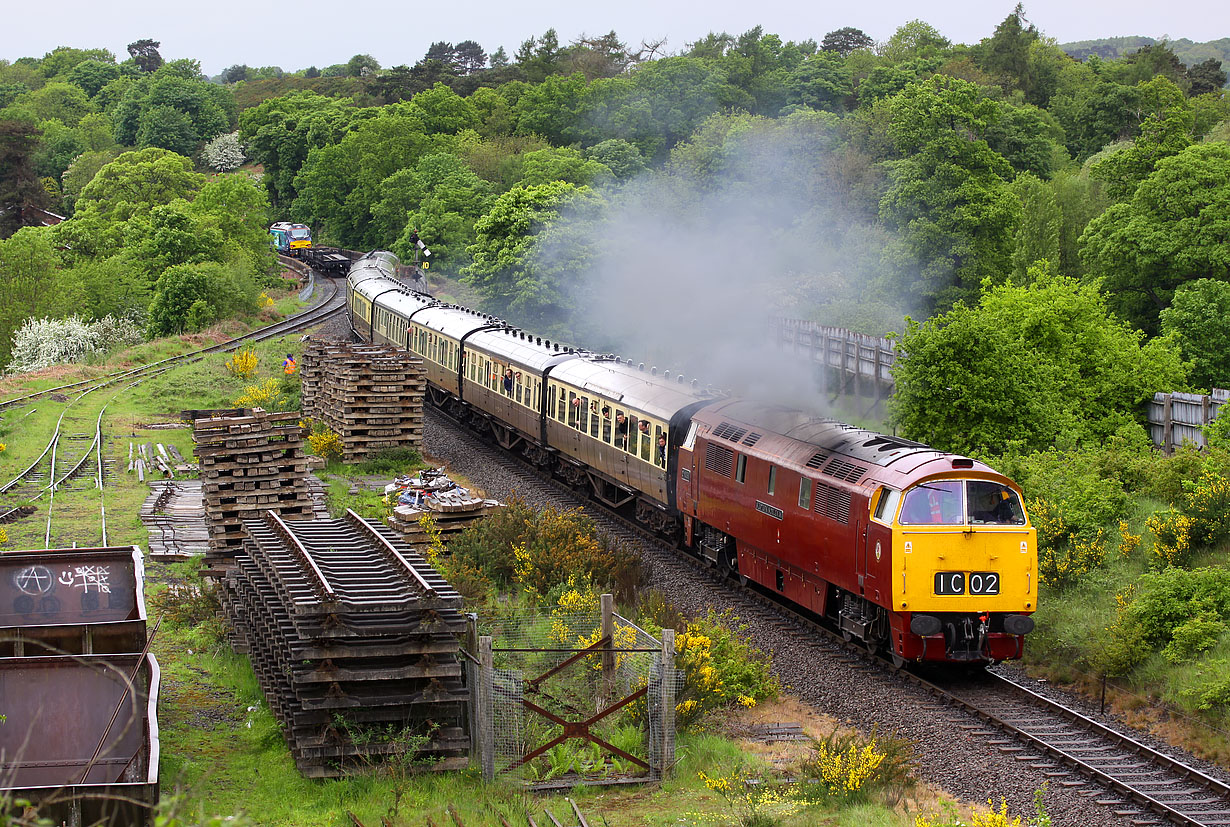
294	35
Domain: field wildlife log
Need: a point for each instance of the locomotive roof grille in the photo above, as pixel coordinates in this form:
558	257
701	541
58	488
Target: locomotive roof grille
843	470
751	440
817	460
729	432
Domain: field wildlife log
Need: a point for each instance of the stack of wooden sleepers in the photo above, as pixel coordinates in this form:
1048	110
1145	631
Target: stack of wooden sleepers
251	461
354	639
370	395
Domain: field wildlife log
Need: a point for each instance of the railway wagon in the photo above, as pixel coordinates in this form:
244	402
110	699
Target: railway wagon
925	555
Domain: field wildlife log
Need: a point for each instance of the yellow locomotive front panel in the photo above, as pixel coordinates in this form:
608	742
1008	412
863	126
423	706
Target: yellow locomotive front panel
964	545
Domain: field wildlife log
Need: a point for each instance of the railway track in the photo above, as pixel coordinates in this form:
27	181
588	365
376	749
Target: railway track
73	458
1134	781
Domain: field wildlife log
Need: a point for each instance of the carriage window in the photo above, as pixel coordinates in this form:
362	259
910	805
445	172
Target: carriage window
934	503
621	429
646	441
804	493
574	410
741	468
606	424
563	406
772	479
593	419
551	406
659	447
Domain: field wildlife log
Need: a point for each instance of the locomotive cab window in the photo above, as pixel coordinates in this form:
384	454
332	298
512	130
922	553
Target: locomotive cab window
934	503
991	503
886	505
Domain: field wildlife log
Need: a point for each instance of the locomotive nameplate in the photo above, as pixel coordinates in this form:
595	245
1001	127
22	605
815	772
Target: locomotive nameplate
957	582
772	511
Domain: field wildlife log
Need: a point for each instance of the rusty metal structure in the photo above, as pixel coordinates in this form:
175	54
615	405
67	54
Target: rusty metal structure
79	687
354	639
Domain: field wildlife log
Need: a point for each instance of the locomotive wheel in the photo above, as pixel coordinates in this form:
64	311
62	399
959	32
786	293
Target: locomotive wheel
898	661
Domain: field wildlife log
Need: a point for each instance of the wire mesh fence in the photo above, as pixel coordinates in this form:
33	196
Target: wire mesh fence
564	698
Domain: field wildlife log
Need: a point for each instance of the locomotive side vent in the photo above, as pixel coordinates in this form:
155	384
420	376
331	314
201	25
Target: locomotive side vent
752	439
730	432
719	459
817	460
833	503
843	470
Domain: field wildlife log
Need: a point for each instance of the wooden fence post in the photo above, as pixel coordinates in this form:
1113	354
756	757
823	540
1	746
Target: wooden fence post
608	652
1168	424
486	699
668	701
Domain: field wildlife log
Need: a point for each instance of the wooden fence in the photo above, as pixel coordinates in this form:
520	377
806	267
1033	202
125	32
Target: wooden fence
846	363
1176	418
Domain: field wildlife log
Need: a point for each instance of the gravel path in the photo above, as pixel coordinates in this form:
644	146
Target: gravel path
953	749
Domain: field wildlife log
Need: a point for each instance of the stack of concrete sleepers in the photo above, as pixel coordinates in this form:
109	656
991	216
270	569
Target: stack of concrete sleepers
354	639
251	461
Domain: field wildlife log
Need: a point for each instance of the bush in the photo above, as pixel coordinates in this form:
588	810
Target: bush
539	550
243	363
224	153
1207	503
1193	637
40	343
720	667
267	395
1172	537
1166	600
846	768
1070	559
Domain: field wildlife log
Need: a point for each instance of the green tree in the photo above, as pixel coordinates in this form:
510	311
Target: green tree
622	158
1196	320
63	101
93	75
1172	231
948	196
280	132
223	288
845	40
145	56
440	109
1165	131
167	128
1026	368
29	283
504	235
821	81
19	182
914	40
564	164
137	181
1037	234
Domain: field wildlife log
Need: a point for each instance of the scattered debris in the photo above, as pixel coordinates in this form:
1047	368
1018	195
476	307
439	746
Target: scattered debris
433	493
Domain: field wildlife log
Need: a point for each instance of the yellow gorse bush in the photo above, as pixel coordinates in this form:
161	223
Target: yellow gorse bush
267	395
435	539
750	799
843	774
1128	542
264	301
993	818
4	536
1068	563
242	363
325	443
1172	536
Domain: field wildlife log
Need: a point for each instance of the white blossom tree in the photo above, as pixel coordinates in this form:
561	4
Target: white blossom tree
224	153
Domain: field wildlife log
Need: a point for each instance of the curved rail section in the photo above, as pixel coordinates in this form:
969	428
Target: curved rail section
1142	782
75	452
1147	780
